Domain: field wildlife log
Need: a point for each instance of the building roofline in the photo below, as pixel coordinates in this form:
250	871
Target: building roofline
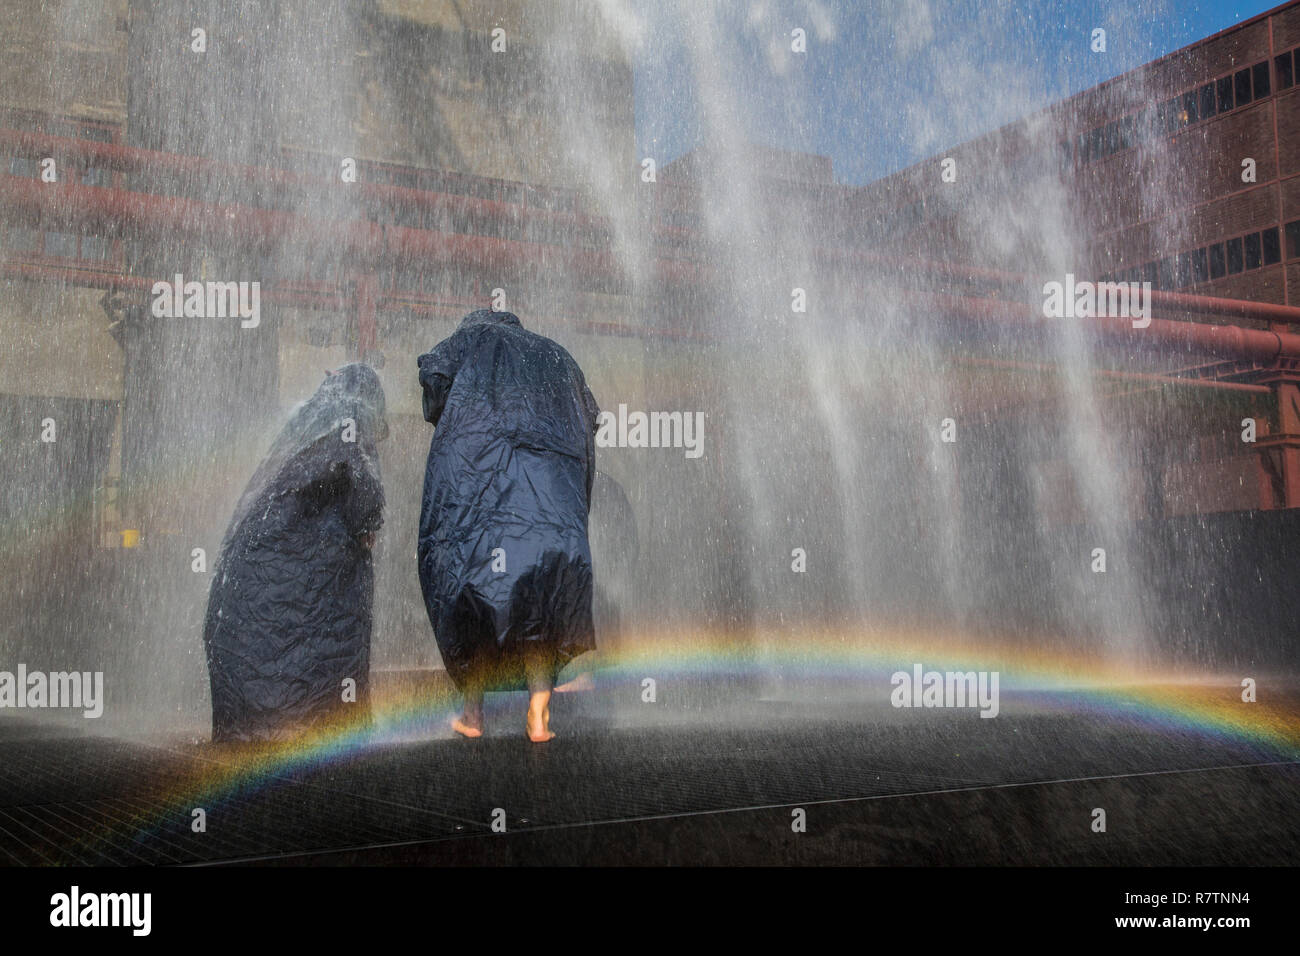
1181	51
1063	105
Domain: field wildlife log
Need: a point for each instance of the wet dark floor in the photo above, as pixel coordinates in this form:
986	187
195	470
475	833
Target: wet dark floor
711	787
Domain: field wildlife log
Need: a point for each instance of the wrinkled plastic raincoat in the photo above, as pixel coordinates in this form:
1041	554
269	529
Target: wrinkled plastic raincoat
504	560
290	609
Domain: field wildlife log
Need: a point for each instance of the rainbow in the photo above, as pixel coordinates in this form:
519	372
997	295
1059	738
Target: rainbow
842	663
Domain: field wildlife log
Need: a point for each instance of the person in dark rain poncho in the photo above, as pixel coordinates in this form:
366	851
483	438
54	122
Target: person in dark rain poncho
290	610
505	565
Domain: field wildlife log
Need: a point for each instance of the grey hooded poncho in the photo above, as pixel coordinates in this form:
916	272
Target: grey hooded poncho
290	609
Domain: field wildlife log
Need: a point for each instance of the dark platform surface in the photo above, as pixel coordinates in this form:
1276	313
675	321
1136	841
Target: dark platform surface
710	786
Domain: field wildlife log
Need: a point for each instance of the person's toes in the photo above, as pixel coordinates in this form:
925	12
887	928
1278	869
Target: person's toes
538	731
464	729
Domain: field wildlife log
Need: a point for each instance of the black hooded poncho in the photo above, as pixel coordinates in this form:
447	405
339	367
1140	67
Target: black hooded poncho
290	610
505	565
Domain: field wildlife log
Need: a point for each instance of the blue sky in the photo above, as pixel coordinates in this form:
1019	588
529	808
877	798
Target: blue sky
886	83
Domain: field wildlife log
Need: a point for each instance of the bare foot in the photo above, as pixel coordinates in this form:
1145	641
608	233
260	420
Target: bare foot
459	725
582	682
538	724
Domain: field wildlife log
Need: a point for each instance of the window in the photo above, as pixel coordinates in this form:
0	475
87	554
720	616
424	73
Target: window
1241	86
99	134
1260	73
1142	126
1218	266
1293	239
406	280
1174	115
1127	133
1122	138
93	247
1112	138
1150	271
1224	90
1234	256
1189	114
1165	273
1081	146
1200	266
1207	101
1254	251
406	214
1282	68
62	244
1097	143
1272	246
24	240
1183	270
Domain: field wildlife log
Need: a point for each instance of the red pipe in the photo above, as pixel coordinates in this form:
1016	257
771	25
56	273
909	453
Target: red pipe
1225	341
1166	301
119	212
1140	377
331	297
131	159
1236	308
112	210
316	295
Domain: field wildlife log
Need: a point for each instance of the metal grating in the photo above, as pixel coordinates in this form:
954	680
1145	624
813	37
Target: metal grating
96	801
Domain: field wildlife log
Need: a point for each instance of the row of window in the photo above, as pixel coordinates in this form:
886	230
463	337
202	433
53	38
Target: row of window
376	209
1192	106
550	198
37	122
384	210
1230	257
64	245
86	175
1287	65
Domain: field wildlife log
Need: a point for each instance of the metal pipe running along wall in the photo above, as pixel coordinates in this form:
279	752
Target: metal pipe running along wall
134	160
131	159
1175	302
126	213
1223	341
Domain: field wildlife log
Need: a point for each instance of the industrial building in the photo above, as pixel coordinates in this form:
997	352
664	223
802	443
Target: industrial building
378	202
885	402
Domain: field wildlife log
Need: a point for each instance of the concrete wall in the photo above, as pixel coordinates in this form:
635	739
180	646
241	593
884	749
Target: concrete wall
66	57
